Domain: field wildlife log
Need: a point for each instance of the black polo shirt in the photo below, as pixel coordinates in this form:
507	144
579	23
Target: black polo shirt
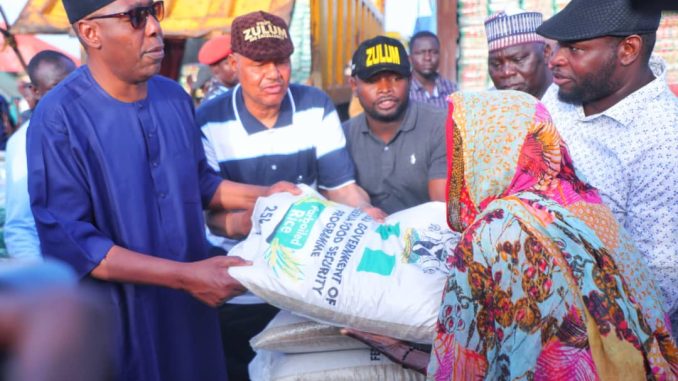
396	174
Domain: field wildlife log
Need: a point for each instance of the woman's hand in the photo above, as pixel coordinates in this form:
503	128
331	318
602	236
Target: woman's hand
400	352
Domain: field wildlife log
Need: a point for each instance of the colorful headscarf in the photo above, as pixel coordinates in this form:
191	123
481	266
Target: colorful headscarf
505	143
544	284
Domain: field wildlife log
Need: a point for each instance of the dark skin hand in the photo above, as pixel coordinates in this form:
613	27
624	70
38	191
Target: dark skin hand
400	352
207	280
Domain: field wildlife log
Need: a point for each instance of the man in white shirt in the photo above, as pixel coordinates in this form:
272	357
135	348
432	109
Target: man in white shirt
46	70
612	105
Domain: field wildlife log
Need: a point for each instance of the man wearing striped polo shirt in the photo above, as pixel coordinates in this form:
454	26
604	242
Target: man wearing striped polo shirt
263	131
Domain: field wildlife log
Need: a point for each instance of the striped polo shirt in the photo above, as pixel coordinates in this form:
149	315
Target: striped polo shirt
306	144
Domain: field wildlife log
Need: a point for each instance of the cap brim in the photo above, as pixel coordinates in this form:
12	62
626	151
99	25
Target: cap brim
266	56
371	72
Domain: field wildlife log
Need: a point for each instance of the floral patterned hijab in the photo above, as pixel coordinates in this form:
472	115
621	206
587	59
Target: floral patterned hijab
502	143
544	283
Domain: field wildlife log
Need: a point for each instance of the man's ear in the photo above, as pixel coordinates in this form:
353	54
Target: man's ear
354	85
233	61
88	33
36	93
548	50
229	64
630	49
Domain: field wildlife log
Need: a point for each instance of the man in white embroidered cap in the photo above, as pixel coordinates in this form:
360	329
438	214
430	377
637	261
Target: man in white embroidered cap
118	180
518	56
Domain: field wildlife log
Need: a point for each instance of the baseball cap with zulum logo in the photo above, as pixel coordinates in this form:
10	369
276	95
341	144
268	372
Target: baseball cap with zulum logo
379	54
261	36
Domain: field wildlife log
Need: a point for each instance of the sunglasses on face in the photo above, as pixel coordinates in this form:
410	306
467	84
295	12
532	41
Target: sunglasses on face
138	16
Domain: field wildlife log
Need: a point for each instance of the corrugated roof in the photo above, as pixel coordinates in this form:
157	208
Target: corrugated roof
183	18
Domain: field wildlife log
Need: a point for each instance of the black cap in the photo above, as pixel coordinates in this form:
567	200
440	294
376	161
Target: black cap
78	9
380	54
587	19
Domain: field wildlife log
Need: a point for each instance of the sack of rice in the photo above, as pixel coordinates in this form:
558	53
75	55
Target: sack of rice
356	364
289	333
335	264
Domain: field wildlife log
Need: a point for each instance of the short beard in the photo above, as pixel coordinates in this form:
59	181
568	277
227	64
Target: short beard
594	85
429	76
400	111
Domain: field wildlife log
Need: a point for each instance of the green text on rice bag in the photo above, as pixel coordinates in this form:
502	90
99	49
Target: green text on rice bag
294	229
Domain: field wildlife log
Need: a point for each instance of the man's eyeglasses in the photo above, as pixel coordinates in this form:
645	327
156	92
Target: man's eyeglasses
138	16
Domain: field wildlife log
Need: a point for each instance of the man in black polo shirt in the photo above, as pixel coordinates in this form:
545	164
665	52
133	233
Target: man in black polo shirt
398	146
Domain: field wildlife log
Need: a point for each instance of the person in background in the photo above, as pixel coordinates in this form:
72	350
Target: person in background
200	84
267	130
518	56
46	69
427	85
27	101
544	284
396	144
216	53
118	182
6	124
612	104
51	329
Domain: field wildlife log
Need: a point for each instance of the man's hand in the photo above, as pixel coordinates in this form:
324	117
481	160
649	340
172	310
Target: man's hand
234	224
283	186
241	224
209	281
355	196
374	212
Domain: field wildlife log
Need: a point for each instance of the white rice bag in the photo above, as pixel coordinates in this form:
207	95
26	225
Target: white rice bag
335	264
356	364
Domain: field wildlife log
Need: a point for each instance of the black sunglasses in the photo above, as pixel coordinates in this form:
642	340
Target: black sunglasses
137	16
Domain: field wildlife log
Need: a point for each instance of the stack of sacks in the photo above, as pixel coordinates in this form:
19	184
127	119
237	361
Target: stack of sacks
295	348
289	333
336	265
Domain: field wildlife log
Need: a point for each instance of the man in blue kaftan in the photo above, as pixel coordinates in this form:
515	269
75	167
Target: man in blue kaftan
118	181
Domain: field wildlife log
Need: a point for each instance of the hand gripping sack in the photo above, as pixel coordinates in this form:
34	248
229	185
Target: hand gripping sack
336	265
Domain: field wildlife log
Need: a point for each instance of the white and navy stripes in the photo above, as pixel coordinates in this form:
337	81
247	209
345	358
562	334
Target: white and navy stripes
306	145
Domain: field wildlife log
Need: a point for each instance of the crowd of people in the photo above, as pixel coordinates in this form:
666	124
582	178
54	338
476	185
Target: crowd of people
561	179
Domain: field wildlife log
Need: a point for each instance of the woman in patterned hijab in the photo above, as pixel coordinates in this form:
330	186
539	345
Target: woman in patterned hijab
544	284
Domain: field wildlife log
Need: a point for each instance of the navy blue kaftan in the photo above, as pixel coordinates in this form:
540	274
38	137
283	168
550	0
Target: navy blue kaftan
104	172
